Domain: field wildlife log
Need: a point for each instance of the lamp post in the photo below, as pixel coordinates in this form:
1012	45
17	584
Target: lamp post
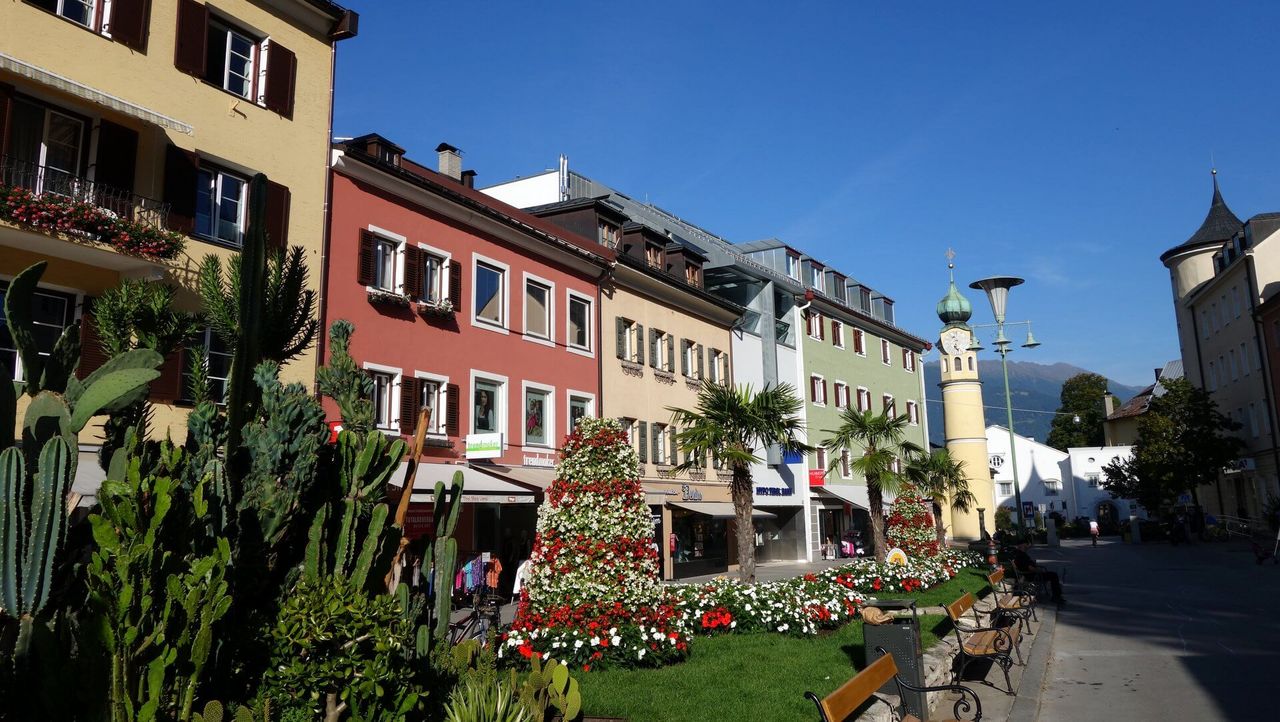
997	290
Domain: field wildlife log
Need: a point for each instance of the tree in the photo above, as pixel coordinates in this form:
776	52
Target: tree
876	440
1082	398
941	478
731	424
1184	442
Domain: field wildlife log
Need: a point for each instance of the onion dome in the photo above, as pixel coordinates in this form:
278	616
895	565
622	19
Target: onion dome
954	308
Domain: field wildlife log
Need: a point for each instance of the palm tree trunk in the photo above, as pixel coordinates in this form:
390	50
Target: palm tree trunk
876	501
742	508
937	522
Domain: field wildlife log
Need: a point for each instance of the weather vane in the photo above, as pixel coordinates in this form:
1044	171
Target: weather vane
951	256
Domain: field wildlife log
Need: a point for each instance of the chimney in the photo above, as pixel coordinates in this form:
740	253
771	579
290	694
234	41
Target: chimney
1108	403
469	178
450	161
1158	372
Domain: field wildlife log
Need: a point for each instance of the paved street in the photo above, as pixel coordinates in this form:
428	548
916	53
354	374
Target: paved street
1163	632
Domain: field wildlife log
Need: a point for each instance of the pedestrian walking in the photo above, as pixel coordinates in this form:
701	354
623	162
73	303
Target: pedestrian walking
1093	530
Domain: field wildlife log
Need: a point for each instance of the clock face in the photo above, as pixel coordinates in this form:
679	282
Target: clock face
955	341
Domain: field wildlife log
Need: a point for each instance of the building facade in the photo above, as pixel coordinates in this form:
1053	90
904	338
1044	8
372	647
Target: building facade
1220	277
483	315
151	117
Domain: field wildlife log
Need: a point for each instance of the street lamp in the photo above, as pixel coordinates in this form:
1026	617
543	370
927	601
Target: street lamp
997	290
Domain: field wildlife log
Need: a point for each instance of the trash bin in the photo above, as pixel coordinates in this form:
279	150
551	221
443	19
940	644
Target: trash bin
901	639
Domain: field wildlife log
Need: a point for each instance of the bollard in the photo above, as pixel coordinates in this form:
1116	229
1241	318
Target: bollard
1135	535
1051	530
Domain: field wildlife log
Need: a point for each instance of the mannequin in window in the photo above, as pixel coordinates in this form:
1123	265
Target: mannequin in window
484	411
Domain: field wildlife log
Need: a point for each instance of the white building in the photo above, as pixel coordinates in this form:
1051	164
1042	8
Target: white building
1053	481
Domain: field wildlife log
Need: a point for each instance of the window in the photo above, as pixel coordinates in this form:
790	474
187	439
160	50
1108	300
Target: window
216	357
864	299
80	12
1052	487
434	277
653	255
859	342
486	405
890	407
971	363
1244	360
692	274
52	142
490	290
661	443
537	309
864	399
609	235
793	266
813	323
628	430
384	264
842	395
662	350
908	359
1213	317
913	413
719	363
1235	368
580	407
383	389
844	463
538	417
232	60
630	340
1204	324
815	277
51	312
1006	488
837	333
690	359
884	352
579	322
1213	377
1094	480
818	390
1252	426
220	205
820	456
431	395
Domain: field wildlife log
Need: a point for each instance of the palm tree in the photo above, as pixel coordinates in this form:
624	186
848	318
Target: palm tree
941	478
731	424
876	440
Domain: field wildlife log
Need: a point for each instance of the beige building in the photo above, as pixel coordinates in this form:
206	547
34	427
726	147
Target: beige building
151	116
1219	278
669	335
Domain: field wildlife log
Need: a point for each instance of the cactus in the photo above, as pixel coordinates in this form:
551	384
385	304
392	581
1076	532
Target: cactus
443	550
242	395
344	382
550	688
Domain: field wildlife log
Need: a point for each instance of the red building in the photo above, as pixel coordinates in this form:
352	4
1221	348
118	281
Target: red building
484	314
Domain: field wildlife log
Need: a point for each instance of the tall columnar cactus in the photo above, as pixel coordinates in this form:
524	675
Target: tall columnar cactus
443	550
241	390
31	527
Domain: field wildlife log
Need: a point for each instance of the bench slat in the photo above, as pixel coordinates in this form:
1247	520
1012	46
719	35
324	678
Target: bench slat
842	702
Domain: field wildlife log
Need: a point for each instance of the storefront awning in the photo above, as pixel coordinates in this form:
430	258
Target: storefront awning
718	509
477	486
847	493
93	95
534	478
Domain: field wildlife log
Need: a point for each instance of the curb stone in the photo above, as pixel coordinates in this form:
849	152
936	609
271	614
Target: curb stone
1026	705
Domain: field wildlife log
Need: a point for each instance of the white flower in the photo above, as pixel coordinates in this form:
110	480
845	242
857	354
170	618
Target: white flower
616	640
577	644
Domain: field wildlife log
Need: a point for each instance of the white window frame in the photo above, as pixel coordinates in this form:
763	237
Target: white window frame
93	24
891	407
77	307
838	387
439	422
659	456
820	458
665	340
814	325
1093	479
569	396
837	333
860	348
1052	487
590	349
1004	488
863	392
550	286
908	360
815	277
548	415
886	352
499	404
219	173
257	66
913	412
793	266
445	269
393	409
629	428
844	465
476	321
815	389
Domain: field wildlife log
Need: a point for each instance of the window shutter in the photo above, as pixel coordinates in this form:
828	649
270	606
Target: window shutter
364	272
698	353
655	435
455	284
131	22
620	327
653	347
813	389
92	355
451	410
117	157
671	353
277	215
822	329
6	95
673	452
193	35
684	357
410	403
824	391
168	388
639	345
643	438
835	332
180	168
412	271
282	69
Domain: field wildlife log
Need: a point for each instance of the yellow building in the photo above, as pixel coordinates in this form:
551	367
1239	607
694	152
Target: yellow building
150	116
669	334
964	423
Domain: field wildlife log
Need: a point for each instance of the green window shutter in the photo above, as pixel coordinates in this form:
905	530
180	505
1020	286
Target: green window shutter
698	353
653	348
639	345
621	324
684	357
671	353
643	437
654	432
674	452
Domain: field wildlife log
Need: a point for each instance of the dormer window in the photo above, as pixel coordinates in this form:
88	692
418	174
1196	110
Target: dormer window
815	277
793	266
610	235
693	274
864	299
653	255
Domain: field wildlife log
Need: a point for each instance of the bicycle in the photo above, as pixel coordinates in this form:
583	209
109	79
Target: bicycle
484	615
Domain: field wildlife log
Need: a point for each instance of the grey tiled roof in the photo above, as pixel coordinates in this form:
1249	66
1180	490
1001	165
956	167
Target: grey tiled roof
1219	225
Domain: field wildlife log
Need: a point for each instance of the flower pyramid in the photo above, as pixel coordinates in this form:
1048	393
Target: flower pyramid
593	594
911	524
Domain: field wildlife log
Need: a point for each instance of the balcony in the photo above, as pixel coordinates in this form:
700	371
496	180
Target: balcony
50	201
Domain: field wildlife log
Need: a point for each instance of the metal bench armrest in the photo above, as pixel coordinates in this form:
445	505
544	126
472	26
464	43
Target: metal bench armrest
962	705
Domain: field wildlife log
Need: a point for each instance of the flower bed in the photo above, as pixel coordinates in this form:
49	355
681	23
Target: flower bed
51	212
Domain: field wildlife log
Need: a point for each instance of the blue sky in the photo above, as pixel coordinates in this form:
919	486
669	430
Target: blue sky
1068	143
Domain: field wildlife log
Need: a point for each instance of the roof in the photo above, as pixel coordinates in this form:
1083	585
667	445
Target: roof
1219	225
1139	404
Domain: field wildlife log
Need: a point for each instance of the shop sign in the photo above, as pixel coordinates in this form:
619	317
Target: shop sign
497	499
817	477
793	457
688	493
545	462
1239	465
484	446
419	521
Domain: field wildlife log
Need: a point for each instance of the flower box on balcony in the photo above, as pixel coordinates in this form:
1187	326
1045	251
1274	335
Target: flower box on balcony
388	298
436	309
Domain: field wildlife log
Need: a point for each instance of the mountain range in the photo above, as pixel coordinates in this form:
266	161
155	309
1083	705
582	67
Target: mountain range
1034	388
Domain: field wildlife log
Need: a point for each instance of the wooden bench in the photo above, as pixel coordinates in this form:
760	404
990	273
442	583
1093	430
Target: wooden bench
840	704
1011	601
975	641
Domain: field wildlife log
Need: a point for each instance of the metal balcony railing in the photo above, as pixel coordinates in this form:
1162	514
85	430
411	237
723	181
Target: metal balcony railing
43	180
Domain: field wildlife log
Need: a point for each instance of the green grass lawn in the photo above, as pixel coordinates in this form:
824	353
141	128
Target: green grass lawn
759	676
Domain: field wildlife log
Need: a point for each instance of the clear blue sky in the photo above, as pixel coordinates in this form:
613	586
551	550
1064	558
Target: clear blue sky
1065	142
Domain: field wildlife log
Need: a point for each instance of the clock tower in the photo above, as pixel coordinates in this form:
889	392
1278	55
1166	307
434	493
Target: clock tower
964	422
